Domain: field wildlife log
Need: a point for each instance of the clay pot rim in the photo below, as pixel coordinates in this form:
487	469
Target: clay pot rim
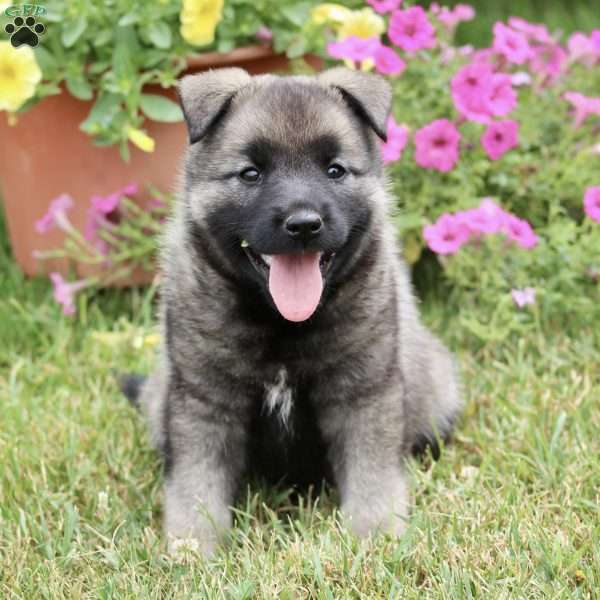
207	60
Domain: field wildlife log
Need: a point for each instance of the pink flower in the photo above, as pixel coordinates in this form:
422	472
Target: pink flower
387	62
384	6
519	231
485	55
411	30
548	61
591	203
523	297
397	138
503	98
450	18
595	37
499	138
56	215
583	105
64	292
533	31
582	48
520	78
487	218
103	213
354	48
437	145
511	44
446	235
264	34
472	87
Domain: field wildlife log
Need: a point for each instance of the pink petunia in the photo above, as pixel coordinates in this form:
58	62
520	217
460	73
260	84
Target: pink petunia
450	18
354	48
64	292
472	86
411	30
499	138
384	6
387	62
584	106
484	55
56	215
535	32
511	44
519	231
503	98
520	78
264	34
397	138
103	212
548	61
591	203
446	235
437	146
582	49
523	297
487	218
595	37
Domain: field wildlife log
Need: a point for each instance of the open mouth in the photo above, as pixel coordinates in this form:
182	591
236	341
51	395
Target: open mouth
262	262
295	281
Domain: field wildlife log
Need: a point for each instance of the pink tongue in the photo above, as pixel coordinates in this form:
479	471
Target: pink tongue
295	284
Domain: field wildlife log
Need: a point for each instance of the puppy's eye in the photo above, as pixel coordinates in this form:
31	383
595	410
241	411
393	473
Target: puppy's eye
250	175
335	171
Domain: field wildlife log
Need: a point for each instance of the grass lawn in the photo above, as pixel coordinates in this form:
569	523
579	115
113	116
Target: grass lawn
510	511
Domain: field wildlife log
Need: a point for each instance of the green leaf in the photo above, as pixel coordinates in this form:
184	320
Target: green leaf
80	88
72	31
159	33
297	13
105	109
46	60
128	19
159	108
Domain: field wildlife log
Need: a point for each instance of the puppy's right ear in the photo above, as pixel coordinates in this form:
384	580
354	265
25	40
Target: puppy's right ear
205	98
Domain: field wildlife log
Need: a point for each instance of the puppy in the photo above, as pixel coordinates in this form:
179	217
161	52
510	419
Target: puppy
292	344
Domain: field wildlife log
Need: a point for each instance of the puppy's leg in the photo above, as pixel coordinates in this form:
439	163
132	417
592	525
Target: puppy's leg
368	467
204	459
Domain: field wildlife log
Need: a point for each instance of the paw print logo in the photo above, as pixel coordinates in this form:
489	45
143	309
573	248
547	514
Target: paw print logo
24	31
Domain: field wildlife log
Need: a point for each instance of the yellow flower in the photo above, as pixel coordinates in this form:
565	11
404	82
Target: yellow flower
362	23
199	19
141	139
331	14
19	74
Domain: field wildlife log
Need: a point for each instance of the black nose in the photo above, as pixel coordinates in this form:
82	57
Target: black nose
304	225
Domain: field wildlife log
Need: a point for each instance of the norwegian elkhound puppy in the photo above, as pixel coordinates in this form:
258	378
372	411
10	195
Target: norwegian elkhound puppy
292	345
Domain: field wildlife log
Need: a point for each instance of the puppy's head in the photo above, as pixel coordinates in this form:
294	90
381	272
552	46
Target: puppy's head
283	174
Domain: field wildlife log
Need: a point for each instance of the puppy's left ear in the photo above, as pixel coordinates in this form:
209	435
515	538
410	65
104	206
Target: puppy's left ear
369	95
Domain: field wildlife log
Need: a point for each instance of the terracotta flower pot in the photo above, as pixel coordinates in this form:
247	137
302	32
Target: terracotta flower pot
46	154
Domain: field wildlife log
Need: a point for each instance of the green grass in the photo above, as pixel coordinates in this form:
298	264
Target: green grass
510	511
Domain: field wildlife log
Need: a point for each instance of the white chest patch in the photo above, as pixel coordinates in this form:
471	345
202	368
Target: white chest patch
278	398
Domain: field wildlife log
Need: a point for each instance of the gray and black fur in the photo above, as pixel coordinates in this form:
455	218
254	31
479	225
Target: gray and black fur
345	395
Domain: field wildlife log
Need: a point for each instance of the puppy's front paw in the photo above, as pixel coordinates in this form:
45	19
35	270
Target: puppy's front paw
384	511
186	549
365	520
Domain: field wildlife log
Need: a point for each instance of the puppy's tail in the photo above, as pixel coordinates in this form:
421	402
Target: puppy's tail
131	386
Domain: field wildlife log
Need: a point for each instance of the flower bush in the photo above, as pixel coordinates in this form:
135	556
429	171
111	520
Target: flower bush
119	238
109	51
493	155
494	158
